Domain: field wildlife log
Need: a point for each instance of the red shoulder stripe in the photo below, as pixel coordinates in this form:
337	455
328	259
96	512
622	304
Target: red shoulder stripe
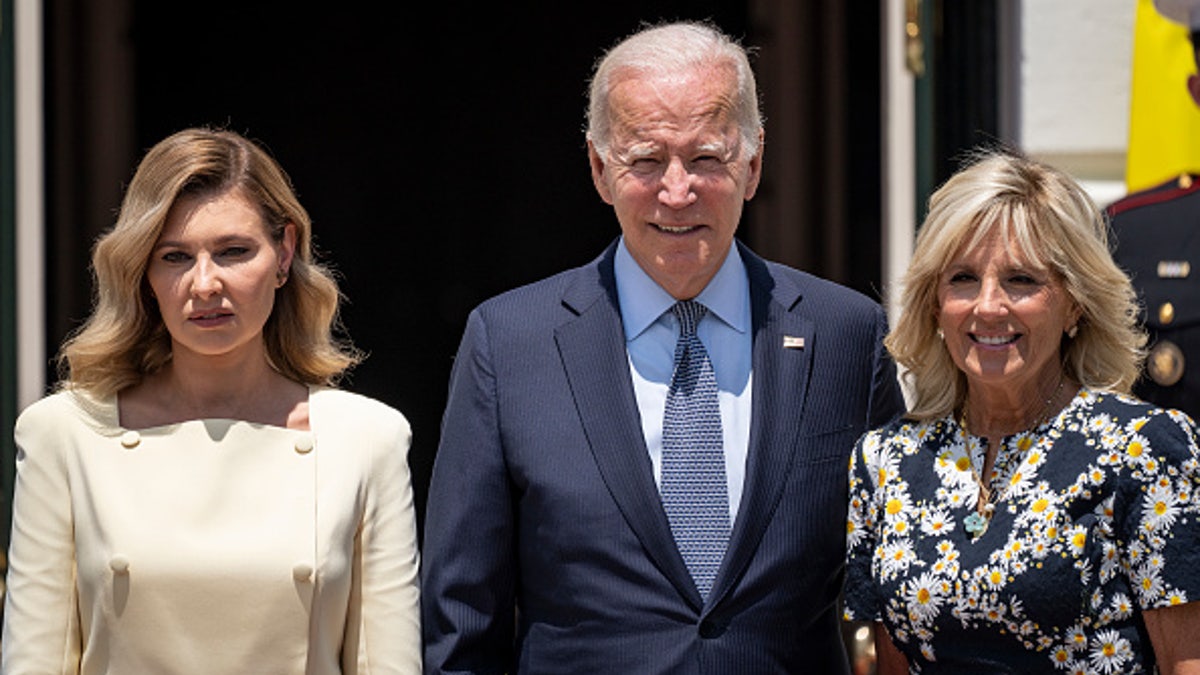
1167	191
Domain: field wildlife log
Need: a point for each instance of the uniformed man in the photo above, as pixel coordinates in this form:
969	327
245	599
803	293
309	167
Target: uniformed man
1158	244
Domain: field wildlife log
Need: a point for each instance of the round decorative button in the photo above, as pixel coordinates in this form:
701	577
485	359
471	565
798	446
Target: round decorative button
119	564
1166	313
130	439
302	571
1165	363
304	444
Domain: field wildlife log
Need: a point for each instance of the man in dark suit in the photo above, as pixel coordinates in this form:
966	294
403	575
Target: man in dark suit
1158	244
627	483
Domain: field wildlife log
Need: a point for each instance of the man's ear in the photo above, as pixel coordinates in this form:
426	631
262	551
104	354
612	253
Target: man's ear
755	168
599	179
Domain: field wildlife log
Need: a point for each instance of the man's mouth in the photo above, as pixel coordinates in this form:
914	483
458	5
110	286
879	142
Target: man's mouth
676	229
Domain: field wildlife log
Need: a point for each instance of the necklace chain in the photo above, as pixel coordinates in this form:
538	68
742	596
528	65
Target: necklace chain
977	522
1037	422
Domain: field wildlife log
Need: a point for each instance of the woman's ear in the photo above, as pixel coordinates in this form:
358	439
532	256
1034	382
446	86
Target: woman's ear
287	251
287	247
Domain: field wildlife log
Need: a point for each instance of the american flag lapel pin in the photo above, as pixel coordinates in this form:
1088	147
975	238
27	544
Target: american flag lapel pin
793	342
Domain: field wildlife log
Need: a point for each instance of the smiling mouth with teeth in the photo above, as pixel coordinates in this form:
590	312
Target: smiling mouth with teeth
995	340
676	230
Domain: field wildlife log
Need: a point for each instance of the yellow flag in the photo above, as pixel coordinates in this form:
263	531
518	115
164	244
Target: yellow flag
1164	121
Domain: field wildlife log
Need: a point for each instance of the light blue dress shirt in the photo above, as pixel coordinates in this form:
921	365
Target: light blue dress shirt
650	334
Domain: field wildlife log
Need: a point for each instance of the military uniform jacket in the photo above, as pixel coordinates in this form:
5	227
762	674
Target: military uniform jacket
1157	236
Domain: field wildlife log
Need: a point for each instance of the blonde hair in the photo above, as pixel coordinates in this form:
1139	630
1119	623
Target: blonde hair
671	48
1056	226
124	339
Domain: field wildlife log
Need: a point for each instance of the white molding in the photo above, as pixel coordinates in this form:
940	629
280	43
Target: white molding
899	162
30	203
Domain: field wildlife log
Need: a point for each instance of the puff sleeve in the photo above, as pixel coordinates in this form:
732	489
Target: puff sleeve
41	612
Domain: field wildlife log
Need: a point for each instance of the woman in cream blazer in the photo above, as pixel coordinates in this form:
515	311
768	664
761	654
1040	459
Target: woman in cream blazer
197	497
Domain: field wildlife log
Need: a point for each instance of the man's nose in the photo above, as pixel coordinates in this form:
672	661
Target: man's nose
677	186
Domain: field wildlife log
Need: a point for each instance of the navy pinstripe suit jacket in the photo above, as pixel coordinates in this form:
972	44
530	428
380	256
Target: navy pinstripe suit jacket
546	547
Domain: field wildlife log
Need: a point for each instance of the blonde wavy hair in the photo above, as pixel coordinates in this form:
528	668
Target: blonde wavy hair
1056	227
124	339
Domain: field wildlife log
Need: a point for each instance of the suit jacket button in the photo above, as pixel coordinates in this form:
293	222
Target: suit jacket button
119	564
710	629
302	571
130	439
304	444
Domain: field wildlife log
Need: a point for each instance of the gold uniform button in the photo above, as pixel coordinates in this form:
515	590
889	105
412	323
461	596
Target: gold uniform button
1165	363
130	439
1185	181
1166	313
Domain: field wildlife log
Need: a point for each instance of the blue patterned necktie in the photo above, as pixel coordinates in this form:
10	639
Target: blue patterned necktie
695	494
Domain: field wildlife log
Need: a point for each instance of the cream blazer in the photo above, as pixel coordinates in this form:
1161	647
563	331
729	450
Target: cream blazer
212	546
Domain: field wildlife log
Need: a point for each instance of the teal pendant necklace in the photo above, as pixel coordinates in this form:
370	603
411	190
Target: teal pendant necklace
977	523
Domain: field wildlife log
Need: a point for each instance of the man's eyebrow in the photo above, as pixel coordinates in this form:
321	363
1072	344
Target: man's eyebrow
718	147
641	150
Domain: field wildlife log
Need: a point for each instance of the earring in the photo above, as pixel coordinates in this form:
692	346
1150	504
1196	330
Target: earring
941	334
280	278
1073	331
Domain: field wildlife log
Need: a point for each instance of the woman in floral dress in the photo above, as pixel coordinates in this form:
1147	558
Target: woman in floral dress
1028	515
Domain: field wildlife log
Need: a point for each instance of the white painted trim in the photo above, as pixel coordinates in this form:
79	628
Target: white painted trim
899	151
30	203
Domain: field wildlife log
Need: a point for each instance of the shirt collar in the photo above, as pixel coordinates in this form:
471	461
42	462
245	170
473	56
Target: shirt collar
643	301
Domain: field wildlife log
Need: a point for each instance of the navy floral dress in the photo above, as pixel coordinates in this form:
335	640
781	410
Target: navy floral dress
1098	518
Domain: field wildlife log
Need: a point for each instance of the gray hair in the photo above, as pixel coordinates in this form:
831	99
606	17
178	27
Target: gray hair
672	48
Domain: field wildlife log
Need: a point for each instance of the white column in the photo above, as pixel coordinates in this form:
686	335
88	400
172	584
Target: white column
899	151
30	205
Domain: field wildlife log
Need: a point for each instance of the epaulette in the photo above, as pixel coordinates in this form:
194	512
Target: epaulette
1176	187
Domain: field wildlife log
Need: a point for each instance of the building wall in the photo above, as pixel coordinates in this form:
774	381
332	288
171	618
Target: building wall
1074	66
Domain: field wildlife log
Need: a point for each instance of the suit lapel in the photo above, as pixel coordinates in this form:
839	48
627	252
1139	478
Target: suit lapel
780	391
592	349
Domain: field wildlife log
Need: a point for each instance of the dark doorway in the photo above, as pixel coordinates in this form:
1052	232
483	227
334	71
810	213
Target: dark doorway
440	152
439	148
